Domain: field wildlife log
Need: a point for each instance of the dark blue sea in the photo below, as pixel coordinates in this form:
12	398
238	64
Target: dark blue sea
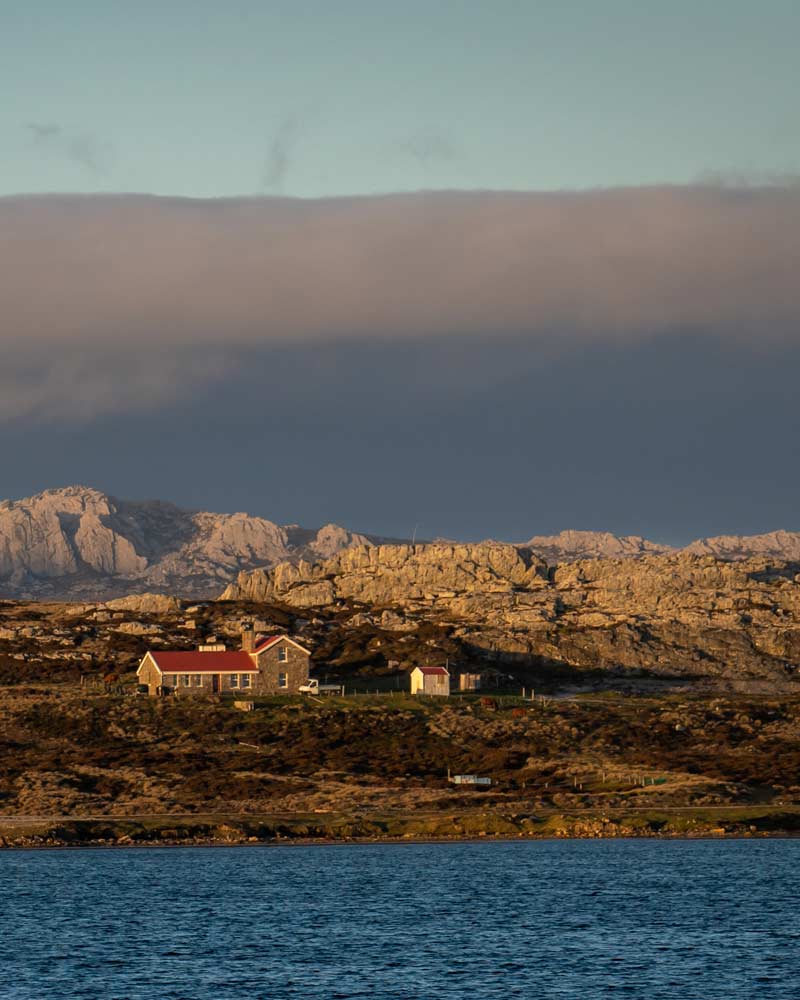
582	919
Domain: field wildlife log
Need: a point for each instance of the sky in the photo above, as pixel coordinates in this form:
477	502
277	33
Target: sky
314	99
475	270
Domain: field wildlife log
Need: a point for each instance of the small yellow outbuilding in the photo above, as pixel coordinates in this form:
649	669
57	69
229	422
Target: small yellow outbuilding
430	680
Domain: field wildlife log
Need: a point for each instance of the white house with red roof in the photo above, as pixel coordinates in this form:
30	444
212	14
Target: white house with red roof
431	680
274	664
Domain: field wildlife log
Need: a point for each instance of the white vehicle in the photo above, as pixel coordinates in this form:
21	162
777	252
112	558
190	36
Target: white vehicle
314	687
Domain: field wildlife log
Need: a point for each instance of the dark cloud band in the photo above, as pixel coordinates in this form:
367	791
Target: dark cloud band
121	274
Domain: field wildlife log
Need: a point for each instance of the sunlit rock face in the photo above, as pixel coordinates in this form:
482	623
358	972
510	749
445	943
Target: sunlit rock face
396	574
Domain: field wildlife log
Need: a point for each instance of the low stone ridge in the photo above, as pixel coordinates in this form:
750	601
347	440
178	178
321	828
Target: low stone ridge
80	544
677	614
146	604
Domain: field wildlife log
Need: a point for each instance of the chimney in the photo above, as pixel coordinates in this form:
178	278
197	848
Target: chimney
248	639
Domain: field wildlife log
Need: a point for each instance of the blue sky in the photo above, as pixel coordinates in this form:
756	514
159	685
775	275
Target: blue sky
305	98
461	358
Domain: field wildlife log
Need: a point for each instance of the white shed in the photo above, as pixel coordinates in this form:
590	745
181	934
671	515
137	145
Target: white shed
430	680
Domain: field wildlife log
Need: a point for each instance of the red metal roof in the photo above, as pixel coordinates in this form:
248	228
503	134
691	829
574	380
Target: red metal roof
434	670
194	662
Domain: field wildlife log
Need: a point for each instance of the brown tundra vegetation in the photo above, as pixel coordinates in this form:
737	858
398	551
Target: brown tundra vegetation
613	743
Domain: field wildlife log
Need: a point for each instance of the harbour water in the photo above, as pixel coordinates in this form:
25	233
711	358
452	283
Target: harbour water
556	919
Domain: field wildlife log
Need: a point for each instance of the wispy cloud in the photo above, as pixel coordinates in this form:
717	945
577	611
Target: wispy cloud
279	154
102	280
83	148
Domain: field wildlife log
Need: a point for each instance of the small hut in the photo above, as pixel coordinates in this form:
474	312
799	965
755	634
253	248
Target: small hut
431	680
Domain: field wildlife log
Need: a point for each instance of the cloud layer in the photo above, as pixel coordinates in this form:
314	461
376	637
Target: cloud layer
106	279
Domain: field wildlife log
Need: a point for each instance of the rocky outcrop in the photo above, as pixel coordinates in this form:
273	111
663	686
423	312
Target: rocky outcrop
396	574
79	543
676	614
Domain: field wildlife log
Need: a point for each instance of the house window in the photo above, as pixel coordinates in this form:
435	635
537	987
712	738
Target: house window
283	654
283	680
234	680
197	680
185	680
246	680
169	680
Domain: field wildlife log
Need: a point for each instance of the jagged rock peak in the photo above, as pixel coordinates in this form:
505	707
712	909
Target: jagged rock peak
331	538
62	498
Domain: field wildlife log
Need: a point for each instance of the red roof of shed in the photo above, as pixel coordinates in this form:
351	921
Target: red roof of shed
194	662
434	670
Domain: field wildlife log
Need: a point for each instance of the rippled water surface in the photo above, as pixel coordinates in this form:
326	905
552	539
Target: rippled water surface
578	919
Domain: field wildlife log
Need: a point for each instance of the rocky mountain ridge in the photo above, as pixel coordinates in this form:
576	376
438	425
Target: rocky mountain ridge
568	546
79	543
772	545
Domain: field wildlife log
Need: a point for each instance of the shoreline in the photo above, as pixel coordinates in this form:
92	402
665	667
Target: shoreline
218	830
386	842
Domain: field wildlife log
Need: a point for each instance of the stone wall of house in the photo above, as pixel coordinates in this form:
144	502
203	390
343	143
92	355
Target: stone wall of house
204	687
149	675
226	684
296	667
199	684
